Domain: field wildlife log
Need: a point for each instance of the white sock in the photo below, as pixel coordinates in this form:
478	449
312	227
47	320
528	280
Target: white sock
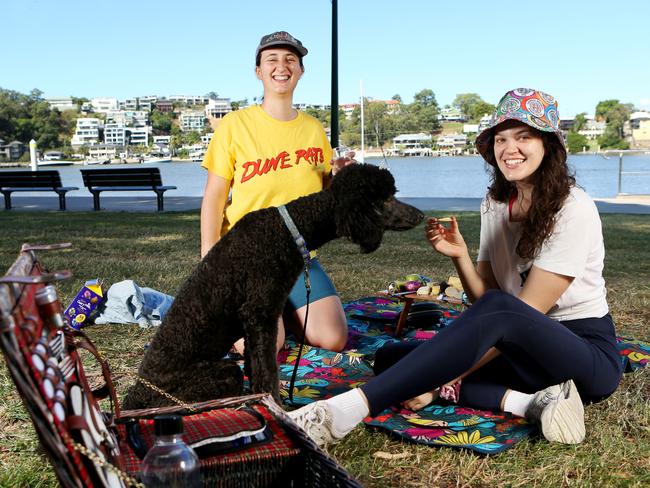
517	403
348	409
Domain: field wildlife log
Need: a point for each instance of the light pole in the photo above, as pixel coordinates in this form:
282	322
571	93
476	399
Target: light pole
334	108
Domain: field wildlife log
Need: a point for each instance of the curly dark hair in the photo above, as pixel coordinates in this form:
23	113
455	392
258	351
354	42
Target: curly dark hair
552	184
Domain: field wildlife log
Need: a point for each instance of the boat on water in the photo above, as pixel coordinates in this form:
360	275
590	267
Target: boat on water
197	156
47	164
156	160
92	162
53	158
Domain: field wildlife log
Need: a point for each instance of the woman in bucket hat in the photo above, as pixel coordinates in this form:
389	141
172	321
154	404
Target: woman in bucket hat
538	340
267	155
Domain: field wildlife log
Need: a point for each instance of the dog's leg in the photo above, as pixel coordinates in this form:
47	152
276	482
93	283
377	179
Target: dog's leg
261	331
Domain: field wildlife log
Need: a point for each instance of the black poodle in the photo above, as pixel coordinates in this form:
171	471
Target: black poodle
240	288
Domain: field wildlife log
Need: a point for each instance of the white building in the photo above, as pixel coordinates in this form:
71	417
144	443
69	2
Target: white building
484	123
348	109
86	132
470	128
205	139
593	128
130	118
129	104
114	134
453	141
104	104
407	141
190	99
138	136
218	107
61	103
192	120
450	114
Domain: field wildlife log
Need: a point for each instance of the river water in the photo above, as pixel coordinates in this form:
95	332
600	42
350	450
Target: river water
440	177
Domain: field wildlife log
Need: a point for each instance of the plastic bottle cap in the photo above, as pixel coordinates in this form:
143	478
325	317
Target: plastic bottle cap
168	424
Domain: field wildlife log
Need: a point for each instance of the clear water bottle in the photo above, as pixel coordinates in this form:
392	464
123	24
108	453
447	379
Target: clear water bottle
170	462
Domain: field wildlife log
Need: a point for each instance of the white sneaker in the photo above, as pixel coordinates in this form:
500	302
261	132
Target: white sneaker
559	411
316	420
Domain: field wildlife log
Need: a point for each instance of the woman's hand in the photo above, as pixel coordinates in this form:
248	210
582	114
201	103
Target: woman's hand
340	162
447	241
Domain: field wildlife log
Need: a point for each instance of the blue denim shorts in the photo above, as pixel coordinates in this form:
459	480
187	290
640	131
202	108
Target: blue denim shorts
321	286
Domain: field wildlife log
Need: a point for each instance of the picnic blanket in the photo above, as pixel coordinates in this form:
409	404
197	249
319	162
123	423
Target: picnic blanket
371	320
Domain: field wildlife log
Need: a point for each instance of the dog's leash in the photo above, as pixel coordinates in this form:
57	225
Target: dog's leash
306	257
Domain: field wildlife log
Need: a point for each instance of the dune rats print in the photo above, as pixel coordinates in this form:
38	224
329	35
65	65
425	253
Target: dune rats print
284	160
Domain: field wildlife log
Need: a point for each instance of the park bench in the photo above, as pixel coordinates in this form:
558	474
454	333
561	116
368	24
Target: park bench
13	181
124	179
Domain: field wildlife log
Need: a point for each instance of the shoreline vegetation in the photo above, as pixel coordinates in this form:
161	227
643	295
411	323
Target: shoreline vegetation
153	251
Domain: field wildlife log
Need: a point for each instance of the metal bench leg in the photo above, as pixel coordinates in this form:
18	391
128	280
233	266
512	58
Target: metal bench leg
61	201
96	200
7	200
159	195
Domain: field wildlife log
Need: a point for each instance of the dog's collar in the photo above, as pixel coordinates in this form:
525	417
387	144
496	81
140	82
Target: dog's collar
298	239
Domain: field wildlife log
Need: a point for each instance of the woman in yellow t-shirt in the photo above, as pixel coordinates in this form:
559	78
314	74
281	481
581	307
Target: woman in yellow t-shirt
267	155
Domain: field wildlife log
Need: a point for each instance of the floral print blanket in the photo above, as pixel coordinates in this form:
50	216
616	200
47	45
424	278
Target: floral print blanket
322	374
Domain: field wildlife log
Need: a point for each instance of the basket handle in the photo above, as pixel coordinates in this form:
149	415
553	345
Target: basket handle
36	279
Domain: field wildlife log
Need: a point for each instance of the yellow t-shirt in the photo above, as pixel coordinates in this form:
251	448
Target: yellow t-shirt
267	161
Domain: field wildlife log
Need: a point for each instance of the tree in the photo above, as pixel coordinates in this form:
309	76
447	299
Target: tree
424	111
579	122
472	105
397	98
465	101
576	142
212	95
615	114
425	98
161	122
237	104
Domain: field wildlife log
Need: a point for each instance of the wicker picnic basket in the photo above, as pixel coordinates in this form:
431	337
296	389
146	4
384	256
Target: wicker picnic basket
242	441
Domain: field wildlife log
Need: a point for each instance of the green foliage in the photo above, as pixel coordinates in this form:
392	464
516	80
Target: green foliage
26	117
161	122
576	142
615	114
237	104
472	105
579	122
611	139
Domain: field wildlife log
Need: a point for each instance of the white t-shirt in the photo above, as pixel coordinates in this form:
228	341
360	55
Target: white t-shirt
574	248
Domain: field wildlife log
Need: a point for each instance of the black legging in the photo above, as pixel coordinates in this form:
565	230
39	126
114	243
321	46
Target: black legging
536	352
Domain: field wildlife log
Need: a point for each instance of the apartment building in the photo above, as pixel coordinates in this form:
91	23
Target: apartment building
87	132
104	104
192	120
61	103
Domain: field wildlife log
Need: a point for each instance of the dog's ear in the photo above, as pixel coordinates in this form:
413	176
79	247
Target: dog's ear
360	222
360	191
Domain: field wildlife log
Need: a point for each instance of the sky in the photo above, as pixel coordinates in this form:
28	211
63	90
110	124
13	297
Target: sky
580	51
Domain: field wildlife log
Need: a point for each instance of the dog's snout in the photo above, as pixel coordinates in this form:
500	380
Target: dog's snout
401	216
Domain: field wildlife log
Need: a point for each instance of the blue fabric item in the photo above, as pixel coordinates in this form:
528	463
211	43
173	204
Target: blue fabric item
127	303
321	286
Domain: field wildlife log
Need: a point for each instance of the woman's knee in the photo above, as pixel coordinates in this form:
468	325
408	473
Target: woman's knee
327	326
496	300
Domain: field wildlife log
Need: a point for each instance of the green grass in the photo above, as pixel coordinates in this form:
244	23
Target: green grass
159	250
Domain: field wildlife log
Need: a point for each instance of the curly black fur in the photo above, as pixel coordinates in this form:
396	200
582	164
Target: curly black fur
240	287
